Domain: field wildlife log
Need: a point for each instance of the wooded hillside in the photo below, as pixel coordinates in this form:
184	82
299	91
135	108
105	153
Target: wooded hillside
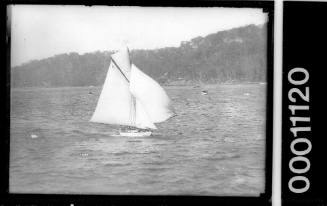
233	55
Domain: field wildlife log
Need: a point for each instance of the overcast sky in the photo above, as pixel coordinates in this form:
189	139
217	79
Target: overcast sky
42	31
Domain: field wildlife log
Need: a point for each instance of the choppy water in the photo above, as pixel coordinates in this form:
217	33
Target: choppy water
215	146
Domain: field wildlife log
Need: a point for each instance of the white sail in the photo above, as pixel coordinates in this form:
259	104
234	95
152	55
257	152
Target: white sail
130	97
151	95
142	118
122	60
115	105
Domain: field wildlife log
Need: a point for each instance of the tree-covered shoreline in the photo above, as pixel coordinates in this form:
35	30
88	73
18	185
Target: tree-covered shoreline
236	55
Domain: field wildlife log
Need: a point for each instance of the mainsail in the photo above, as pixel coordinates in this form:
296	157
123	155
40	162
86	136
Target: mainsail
115	104
130	97
122	61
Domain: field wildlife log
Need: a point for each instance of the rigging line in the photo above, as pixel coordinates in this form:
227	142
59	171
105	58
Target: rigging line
133	106
119	69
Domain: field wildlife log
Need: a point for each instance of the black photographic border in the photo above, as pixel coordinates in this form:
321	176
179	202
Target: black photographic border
7	198
304	45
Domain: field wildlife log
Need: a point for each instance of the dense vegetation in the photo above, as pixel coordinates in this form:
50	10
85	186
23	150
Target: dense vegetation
233	55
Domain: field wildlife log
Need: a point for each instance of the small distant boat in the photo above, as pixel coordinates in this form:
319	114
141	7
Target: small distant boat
34	136
204	92
131	98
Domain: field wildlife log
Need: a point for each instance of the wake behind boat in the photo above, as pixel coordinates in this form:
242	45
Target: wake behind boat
131	98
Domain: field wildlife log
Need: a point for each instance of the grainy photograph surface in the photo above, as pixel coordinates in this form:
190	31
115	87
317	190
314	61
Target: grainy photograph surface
138	100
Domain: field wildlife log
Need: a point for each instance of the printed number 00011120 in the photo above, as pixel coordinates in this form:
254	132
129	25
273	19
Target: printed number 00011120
300	133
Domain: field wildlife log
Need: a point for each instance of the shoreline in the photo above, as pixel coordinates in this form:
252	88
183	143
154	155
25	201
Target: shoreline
193	86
